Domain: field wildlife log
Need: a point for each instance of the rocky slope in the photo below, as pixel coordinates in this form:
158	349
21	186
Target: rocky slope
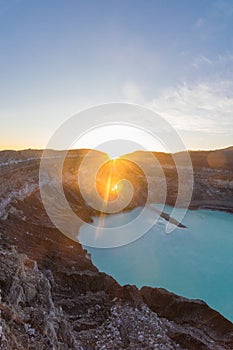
212	177
53	297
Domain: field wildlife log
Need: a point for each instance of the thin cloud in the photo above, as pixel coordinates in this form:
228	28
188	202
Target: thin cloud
218	62
205	107
200	60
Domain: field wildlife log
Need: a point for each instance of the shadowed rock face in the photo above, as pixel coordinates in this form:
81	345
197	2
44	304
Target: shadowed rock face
53	297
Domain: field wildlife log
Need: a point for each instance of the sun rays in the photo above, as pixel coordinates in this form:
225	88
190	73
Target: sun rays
120	183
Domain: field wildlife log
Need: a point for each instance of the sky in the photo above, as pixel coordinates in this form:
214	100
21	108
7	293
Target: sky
58	57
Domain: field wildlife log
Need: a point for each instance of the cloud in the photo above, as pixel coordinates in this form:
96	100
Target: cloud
217	62
200	60
217	68
205	107
204	103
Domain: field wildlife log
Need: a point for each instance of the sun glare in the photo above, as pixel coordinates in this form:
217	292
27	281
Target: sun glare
108	178
112	158
115	188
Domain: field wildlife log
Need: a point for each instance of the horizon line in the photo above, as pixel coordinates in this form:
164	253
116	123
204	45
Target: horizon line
93	149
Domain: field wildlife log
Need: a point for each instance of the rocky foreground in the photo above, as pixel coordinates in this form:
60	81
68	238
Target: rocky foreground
53	297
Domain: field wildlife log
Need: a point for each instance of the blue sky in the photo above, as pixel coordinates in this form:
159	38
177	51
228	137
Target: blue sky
58	57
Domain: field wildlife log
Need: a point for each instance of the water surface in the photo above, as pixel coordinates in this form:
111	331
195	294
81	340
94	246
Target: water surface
196	262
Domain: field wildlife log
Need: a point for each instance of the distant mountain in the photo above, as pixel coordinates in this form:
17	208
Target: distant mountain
222	159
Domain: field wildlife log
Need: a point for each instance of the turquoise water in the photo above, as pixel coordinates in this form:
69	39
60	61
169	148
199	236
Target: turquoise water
196	262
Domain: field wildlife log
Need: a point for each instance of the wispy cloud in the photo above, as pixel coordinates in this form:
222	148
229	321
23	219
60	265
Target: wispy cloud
200	60
206	107
218	62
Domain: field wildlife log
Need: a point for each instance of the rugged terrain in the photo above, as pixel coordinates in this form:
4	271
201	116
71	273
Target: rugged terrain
53	297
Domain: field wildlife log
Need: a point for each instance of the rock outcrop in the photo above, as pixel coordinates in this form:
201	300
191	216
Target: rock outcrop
61	301
53	297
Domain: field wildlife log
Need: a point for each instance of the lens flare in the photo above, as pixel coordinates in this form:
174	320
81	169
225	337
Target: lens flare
108	186
115	188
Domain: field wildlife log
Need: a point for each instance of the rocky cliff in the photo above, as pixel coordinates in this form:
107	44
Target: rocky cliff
53	297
